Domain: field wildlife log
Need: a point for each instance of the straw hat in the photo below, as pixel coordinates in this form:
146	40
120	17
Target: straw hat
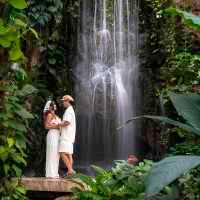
67	98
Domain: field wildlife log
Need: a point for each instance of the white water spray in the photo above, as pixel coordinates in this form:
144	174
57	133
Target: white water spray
107	80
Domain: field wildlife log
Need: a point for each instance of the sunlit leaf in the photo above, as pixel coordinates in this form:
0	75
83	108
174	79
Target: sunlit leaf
19	22
11	142
15	54
4	30
4	42
12	36
34	32
21	190
19	4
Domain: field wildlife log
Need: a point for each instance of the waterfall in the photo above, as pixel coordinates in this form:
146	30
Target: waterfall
106	87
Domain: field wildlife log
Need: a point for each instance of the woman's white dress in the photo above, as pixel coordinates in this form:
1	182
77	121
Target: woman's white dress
52	154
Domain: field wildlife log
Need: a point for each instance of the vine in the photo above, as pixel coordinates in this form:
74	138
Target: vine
14	116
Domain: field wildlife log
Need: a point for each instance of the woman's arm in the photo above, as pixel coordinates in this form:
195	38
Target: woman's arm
48	124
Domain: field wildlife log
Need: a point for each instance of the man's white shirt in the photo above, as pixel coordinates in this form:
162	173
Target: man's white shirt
68	133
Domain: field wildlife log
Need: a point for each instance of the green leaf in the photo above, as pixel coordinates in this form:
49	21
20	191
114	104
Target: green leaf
4	30
52	9
27	90
189	19
19	4
21	190
3	152
19	22
88	180
187	106
11	142
21	74
168	170
4	42
18	159
23	113
15	125
15	54
52	61
20	143
99	170
165	120
175	123
34	32
6	168
12	36
17	170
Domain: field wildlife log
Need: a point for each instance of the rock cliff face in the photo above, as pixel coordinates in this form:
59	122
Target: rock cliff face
194	4
196	7
183	3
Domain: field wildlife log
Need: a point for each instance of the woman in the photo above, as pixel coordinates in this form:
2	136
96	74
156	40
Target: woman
53	123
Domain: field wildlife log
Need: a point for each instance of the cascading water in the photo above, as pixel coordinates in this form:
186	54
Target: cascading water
107	80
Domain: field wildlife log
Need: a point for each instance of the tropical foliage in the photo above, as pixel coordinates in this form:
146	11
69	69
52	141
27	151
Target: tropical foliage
38	41
14	90
171	168
123	181
14	123
190	182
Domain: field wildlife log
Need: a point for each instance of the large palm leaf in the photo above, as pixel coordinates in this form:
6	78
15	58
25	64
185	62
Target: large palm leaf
166	120
187	106
168	170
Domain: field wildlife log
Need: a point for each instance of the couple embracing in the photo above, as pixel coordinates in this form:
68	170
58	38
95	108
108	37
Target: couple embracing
60	137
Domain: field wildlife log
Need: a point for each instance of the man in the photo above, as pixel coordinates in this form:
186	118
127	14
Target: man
68	132
132	159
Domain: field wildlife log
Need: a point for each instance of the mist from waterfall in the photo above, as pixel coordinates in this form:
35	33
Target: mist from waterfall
107	90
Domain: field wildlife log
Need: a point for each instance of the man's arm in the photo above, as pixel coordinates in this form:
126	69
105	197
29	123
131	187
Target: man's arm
66	119
64	123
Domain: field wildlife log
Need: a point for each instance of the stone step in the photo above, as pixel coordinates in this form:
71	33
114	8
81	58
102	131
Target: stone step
43	184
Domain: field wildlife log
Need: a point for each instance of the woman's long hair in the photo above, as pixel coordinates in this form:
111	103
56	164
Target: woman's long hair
45	113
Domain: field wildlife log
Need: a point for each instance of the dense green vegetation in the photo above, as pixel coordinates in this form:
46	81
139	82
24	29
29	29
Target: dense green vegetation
38	41
123	181
14	89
